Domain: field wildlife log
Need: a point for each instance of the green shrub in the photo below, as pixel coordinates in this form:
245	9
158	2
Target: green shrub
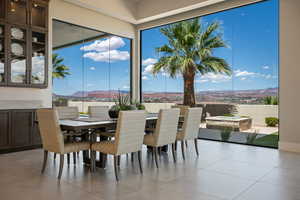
272	121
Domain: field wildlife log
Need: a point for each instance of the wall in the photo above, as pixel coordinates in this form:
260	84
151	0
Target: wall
289	75
34	98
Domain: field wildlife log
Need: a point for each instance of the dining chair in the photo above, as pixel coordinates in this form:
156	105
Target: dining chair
101	112
53	139
183	110
165	132
68	113
190	128
128	139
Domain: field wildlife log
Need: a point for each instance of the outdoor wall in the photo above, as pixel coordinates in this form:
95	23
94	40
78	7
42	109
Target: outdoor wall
289	75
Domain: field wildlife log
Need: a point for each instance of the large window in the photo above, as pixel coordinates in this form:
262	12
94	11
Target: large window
236	79
90	67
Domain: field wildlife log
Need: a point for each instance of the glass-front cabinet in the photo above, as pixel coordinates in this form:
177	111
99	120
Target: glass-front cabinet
2	55
18	53
38	58
23	43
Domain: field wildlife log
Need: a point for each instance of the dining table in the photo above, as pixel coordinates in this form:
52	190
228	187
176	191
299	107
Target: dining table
87	128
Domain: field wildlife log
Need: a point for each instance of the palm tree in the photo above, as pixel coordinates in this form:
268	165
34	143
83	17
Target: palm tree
190	51
59	69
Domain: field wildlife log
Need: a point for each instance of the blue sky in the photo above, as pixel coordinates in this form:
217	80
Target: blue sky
99	65
250	31
252	34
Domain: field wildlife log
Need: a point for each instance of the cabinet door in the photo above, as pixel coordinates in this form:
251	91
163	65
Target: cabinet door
38	59
4	129
21	127
18	11
17	56
3	50
35	133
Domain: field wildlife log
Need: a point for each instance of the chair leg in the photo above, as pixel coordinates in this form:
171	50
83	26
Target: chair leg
45	161
74	158
116	167
174	152
93	160
119	160
132	157
182	149
196	146
155	156
54	157
68	158
61	165
186	143
140	161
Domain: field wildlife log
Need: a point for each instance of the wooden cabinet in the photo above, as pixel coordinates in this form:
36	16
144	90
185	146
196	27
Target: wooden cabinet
18	130
4	129
24	43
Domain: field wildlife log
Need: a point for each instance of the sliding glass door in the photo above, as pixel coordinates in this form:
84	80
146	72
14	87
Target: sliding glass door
236	81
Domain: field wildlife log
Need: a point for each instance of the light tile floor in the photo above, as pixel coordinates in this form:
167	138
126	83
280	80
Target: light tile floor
222	171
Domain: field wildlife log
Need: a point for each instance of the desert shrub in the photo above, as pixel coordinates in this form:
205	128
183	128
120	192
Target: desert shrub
272	121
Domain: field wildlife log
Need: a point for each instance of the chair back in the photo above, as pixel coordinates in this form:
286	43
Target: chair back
67	112
100	112
192	120
166	127
182	108
50	131
130	131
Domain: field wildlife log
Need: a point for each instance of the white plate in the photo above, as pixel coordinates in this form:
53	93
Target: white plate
17	49
17	33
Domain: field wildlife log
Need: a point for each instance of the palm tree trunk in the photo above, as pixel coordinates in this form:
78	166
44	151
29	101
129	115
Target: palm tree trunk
189	90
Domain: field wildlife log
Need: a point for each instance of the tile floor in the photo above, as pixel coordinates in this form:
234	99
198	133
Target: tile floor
222	171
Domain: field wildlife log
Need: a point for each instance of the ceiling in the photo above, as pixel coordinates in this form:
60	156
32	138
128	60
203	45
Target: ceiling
141	11
65	34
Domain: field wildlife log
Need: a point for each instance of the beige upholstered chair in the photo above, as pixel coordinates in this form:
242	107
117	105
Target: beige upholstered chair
190	128
165	131
67	112
52	137
128	139
100	112
64	113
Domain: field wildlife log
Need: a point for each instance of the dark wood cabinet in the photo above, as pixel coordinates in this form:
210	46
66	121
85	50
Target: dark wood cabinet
21	127
4	129
24	43
18	130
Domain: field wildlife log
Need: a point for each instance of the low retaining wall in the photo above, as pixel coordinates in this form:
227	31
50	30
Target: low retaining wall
258	113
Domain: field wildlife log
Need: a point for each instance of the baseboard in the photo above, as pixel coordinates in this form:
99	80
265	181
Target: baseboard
289	146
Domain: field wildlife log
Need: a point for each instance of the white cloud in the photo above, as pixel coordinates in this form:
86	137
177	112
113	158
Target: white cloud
145	78
93	68
243	78
105	45
239	73
266	67
126	87
148	69
108	56
149	61
214	78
